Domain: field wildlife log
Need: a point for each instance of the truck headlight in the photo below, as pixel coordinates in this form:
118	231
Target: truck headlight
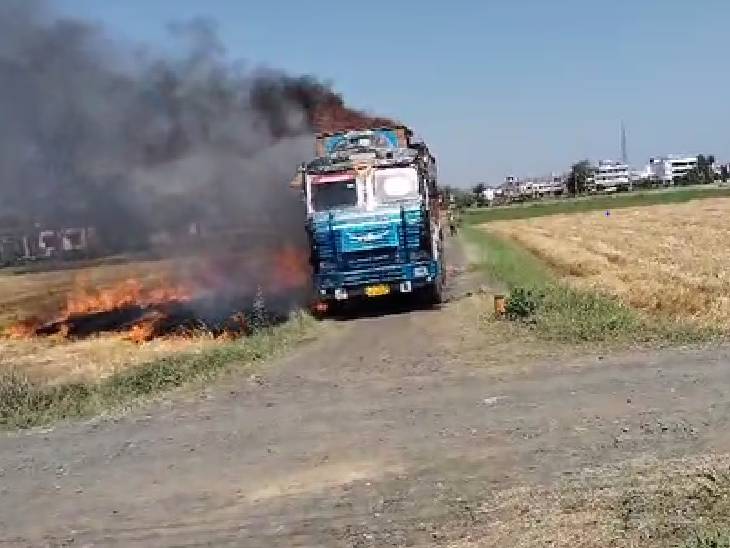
325	265
420	271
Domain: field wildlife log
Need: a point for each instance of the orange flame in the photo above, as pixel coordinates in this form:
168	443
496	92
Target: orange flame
131	292
146	329
291	268
24	328
274	270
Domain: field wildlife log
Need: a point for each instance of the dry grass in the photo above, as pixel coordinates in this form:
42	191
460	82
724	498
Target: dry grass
684	502
669	260
51	360
41	293
57	361
25	402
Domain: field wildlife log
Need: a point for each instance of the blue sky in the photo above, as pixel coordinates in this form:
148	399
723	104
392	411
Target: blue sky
495	87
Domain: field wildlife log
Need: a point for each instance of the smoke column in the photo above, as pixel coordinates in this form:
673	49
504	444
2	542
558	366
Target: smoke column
134	143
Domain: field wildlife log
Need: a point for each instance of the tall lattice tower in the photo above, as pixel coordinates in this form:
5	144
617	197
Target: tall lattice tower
624	151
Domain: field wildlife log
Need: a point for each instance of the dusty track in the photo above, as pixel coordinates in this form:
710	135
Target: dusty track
385	432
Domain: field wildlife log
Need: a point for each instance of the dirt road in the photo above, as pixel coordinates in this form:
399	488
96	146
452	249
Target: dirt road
387	431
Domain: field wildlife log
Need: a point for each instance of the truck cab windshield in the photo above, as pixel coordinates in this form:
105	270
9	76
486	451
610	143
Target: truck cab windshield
334	195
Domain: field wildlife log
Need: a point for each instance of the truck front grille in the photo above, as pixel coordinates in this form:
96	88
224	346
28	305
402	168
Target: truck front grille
376	257
384	274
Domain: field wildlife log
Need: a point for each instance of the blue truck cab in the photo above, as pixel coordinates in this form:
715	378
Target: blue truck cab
372	216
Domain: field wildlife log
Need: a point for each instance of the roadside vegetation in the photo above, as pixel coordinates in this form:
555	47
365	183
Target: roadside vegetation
537	299
667	261
25	403
556	310
592	203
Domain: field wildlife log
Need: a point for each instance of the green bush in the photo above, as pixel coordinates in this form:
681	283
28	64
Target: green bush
573	315
24	403
523	303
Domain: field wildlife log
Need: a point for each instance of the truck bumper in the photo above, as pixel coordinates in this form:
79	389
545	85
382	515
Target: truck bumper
402	278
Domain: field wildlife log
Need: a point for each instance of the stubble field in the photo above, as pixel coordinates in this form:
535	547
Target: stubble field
57	359
667	260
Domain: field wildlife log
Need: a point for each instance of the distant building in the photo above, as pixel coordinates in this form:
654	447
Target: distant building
667	169
551	185
611	175
640	176
538	187
488	194
720	168
513	188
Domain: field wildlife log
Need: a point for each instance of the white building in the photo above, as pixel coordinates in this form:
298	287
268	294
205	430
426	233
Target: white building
548	186
537	187
668	168
488	194
513	188
612	176
641	174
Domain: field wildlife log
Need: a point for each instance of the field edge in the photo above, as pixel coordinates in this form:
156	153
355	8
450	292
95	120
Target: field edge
25	403
557	311
592	203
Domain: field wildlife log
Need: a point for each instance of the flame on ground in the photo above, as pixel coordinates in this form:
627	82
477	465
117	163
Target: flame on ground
131	292
144	310
146	329
24	328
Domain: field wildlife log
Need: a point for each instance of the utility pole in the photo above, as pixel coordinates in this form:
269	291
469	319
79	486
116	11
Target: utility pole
625	153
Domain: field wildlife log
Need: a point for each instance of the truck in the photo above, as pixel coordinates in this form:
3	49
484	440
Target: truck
373	220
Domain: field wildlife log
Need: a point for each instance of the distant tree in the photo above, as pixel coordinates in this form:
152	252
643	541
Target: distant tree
698	173
462	198
644	182
479	189
724	173
703	173
708	169
580	174
692	177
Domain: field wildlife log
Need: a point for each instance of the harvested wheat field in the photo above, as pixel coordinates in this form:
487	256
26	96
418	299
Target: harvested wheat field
57	359
85	324
39	293
668	260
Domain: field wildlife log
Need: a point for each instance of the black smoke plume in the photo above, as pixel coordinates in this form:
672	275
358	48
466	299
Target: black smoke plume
137	144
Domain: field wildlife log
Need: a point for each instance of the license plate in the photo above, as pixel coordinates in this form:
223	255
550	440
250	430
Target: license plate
377	290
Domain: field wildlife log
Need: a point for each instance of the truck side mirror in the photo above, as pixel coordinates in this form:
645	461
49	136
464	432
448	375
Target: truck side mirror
298	180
